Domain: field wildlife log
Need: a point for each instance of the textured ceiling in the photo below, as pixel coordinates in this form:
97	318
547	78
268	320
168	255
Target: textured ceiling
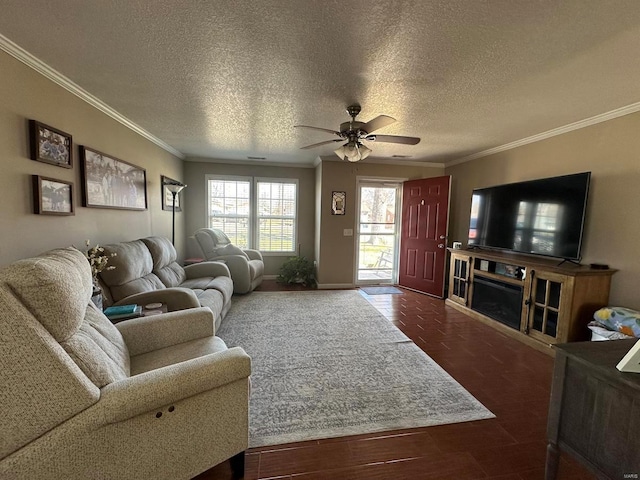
229	79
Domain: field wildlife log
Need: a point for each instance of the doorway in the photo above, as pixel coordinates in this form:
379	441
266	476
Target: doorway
425	219
377	234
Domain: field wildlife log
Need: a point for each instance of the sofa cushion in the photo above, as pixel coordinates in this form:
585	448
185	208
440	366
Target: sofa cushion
206	243
133	272
224	285
171	275
132	261
164	256
212	299
56	288
41	386
99	349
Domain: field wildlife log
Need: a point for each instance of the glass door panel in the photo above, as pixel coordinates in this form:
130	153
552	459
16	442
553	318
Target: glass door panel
377	233
546	307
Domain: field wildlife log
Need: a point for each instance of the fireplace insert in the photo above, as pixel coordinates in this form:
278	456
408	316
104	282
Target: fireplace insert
498	300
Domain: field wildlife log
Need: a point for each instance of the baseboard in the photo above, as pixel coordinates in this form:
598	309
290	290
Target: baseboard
335	286
270	277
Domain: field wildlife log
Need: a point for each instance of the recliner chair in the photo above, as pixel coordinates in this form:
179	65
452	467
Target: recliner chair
157	397
246	265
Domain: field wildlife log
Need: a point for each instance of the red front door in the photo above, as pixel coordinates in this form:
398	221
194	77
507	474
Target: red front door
423	238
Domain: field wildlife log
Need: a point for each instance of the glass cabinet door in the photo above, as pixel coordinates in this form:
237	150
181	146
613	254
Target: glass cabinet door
545	306
459	281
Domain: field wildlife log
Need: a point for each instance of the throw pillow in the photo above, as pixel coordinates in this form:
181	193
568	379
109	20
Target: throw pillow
620	319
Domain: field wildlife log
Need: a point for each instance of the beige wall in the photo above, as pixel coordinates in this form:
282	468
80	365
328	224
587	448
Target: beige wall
336	266
611	151
24	95
196	170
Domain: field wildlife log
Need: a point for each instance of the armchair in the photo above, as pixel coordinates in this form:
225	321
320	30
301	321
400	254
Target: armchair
246	265
155	397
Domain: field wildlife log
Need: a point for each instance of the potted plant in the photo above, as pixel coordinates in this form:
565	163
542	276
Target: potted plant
297	270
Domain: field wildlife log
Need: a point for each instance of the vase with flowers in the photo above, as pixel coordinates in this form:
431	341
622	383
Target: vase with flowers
99	261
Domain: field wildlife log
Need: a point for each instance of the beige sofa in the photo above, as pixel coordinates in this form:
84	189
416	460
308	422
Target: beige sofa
152	398
146	271
245	265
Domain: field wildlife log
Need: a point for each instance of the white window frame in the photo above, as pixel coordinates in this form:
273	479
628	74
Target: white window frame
253	233
256	219
231	178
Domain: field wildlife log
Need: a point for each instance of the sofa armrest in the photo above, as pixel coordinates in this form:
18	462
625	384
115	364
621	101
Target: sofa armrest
176	298
207	269
156	389
238	264
146	334
253	254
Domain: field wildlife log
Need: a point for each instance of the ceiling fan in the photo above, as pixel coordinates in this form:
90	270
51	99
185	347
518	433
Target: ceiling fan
355	132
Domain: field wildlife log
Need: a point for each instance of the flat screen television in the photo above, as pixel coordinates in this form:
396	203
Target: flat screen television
542	217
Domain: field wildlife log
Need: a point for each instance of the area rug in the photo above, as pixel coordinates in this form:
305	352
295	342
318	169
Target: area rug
328	364
380	290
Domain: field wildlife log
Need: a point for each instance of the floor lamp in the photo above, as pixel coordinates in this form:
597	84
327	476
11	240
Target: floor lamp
174	188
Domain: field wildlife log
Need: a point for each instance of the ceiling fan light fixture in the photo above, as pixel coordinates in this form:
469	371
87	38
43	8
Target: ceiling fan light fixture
364	151
353	151
354	131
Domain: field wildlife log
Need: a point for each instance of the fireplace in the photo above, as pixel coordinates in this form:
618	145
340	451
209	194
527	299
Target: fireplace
498	300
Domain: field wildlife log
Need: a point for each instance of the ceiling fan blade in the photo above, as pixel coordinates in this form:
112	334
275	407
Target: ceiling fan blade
322	143
393	139
317	128
378	122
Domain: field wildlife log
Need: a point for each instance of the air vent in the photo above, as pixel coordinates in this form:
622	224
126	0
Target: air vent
401	156
257	158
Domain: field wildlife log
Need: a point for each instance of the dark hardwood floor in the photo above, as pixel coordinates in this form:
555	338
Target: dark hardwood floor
509	378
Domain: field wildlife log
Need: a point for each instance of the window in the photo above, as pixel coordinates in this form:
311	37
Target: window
229	208
276	216
258	213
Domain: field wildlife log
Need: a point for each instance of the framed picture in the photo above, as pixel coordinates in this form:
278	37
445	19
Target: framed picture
338	203
167	197
112	183
50	145
52	197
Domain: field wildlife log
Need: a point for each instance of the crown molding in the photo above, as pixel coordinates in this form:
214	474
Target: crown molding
56	77
28	59
587	122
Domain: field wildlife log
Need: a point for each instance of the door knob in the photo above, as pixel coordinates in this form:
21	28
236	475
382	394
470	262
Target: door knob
441	245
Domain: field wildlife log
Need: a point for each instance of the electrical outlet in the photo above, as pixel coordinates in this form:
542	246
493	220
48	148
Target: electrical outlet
347	232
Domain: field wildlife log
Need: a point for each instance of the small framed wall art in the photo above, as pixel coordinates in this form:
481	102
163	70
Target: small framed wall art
112	183
50	145
338	203
167	196
52	197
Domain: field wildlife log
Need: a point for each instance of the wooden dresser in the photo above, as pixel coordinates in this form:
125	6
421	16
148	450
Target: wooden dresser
594	412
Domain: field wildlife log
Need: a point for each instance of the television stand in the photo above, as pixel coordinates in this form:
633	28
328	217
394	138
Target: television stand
533	299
